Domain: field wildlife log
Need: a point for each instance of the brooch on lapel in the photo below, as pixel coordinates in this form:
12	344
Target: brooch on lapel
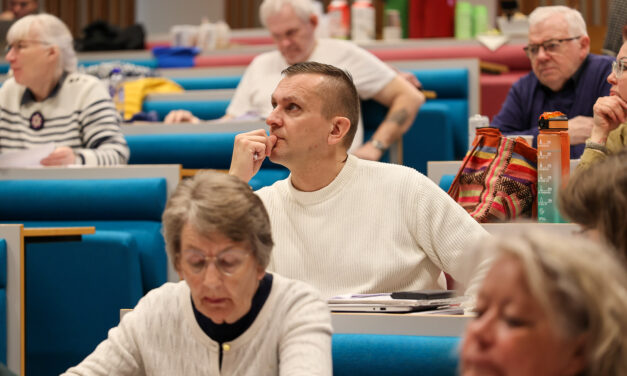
36	121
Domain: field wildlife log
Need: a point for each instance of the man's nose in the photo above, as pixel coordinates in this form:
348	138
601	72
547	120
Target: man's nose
274	120
285	42
542	55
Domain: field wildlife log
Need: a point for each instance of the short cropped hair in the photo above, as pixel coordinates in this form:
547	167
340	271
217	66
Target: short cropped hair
52	31
213	202
582	287
338	93
596	198
303	9
576	23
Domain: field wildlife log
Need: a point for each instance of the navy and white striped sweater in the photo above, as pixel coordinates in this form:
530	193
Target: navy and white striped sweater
78	113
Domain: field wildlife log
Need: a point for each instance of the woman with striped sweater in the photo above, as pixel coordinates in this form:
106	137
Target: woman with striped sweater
47	101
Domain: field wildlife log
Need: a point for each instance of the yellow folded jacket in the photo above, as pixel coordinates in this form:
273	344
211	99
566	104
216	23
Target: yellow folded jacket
135	92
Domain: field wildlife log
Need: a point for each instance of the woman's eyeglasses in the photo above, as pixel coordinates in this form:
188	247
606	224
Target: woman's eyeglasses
618	67
227	262
550	46
22	44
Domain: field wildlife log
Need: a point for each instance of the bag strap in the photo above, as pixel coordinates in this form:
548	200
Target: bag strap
453	190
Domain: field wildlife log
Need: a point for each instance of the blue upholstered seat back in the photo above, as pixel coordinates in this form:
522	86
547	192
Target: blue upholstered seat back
76	289
192	150
394	355
446	181
196	151
133	206
451	87
207	83
440	131
145	62
206	110
74	293
65	200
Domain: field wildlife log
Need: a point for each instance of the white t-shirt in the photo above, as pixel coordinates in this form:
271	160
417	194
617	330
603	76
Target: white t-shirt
253	93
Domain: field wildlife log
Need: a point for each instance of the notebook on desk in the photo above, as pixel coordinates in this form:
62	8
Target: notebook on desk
385	303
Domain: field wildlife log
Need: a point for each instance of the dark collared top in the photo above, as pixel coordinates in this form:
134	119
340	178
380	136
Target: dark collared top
228	332
30	97
528	99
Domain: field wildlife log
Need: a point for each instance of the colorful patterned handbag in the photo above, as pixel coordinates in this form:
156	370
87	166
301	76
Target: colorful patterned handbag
498	178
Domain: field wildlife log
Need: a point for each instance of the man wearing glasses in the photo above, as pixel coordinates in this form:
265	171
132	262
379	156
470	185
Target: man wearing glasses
565	77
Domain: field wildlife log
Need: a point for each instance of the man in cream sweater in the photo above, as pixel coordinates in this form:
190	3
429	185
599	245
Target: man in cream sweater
340	223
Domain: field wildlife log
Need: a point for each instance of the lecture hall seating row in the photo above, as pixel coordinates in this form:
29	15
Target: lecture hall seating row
494	87
438	133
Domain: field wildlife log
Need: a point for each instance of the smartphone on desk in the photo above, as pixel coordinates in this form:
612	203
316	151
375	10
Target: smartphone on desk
424	294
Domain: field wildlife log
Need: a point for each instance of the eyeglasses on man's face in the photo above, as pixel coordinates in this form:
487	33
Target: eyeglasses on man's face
21	45
550	46
619	66
20	4
227	262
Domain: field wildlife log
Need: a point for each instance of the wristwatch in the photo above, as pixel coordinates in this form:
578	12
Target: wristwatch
596	146
379	145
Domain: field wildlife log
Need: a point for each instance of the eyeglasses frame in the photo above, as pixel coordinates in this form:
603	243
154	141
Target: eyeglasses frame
531	55
212	259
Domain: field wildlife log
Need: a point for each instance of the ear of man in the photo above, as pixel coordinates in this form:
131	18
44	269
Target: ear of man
53	51
340	126
585	45
313	19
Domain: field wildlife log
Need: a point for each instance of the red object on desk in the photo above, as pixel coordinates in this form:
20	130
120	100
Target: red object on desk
431	18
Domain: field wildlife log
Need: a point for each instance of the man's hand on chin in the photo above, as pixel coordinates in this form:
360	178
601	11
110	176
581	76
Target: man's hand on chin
249	151
579	129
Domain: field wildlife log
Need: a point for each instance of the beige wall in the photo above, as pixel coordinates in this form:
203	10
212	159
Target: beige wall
158	16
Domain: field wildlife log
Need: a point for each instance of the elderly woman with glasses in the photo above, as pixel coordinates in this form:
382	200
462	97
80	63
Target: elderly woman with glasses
609	132
47	102
228	315
549	306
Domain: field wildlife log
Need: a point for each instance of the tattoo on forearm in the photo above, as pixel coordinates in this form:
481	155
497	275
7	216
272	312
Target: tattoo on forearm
399	117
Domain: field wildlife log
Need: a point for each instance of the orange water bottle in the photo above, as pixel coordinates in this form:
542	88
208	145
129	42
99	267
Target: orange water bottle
553	164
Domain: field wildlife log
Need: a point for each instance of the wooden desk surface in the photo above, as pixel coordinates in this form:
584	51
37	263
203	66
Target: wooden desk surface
58	231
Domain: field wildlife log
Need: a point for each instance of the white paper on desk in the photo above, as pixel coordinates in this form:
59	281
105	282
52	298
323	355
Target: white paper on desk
493	42
27	157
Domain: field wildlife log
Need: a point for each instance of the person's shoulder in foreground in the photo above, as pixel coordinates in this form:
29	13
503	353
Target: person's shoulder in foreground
545	308
162	337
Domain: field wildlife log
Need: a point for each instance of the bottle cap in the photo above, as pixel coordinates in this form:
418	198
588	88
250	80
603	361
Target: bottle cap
553	120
